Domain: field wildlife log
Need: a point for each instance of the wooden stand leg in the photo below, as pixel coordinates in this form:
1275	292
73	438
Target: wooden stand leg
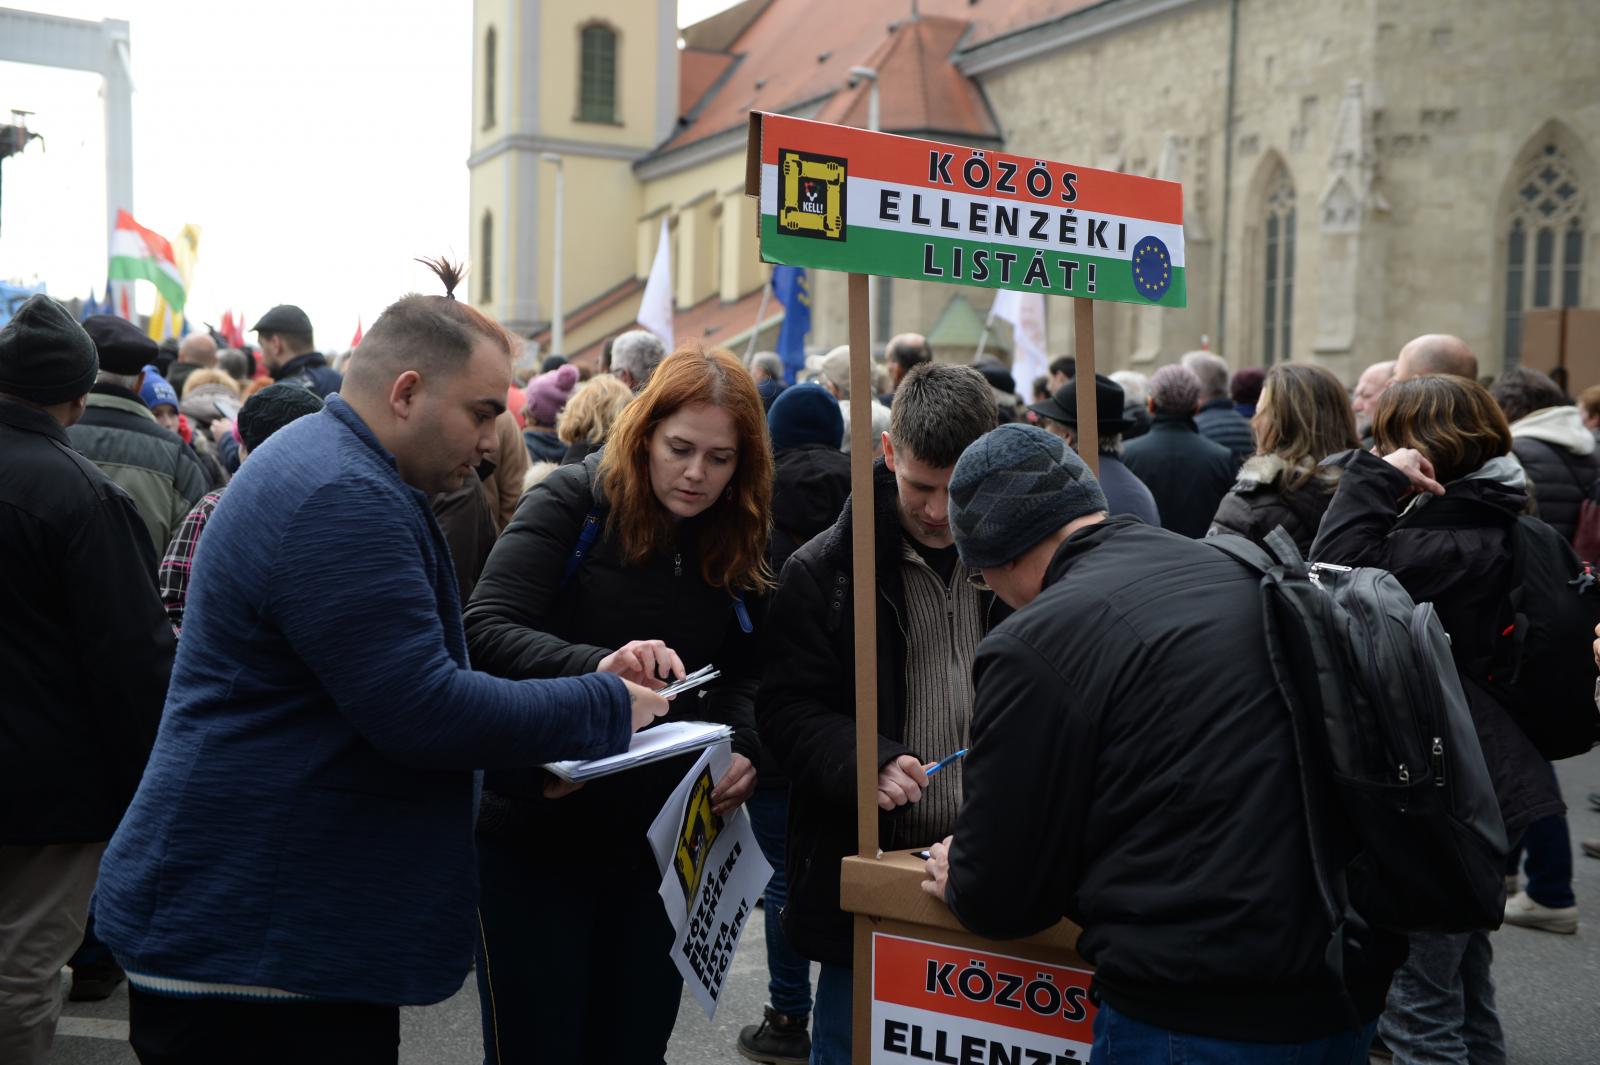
864	584
1088	425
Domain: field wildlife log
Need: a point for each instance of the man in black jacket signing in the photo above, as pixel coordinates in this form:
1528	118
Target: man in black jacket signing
1118	777
929	622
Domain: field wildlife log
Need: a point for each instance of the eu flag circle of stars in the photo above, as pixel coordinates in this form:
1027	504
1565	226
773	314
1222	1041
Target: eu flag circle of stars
1152	268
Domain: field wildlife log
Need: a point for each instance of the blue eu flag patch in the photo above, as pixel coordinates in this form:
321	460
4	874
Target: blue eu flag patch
1152	268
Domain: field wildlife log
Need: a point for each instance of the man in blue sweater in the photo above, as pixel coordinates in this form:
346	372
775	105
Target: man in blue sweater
298	860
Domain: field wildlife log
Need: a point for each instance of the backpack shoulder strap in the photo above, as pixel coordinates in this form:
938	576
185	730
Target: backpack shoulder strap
587	535
1242	550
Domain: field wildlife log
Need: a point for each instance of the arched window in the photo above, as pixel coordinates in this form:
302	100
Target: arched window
486	259
1277	276
597	74
490	39
1544	242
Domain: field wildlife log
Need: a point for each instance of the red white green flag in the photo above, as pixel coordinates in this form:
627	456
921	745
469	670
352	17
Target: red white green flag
140	254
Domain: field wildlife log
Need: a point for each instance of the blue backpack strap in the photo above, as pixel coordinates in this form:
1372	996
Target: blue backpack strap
742	612
586	538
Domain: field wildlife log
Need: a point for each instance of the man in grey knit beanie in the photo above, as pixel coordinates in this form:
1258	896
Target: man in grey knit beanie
1012	492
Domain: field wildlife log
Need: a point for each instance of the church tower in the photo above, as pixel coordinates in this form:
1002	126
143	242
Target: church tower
593	83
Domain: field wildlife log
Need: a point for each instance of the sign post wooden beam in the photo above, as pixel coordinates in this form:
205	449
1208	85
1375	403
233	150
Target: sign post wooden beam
1088	417
864	582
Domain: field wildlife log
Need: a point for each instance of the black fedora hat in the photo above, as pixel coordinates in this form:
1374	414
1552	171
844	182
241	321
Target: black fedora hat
1108	400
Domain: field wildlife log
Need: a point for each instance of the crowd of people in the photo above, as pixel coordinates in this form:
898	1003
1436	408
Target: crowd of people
290	642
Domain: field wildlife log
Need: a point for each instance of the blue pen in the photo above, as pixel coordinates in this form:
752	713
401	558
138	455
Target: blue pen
941	763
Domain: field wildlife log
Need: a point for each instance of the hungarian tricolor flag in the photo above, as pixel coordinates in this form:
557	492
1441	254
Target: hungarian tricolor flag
139	254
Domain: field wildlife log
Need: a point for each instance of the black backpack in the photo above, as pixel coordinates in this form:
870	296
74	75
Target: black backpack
1402	816
1542	669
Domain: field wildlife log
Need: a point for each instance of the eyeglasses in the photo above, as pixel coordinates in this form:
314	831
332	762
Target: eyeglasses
975	578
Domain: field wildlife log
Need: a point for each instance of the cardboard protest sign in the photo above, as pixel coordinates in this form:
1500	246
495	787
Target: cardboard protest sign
934	1002
840	198
712	870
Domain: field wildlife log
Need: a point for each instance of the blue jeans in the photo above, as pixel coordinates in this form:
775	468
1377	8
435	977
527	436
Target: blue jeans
1441	1004
1121	1040
788	974
831	1029
1549	862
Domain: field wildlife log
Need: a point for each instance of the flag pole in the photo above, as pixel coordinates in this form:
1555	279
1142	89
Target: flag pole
761	313
1088	423
864	582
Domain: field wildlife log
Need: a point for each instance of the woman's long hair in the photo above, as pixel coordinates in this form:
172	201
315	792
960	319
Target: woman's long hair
733	543
1302	417
1453	421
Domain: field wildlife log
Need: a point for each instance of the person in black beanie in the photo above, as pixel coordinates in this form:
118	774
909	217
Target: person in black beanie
1118	778
120	435
86	652
262	415
810	483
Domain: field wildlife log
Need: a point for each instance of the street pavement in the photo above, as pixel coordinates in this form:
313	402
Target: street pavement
1549	988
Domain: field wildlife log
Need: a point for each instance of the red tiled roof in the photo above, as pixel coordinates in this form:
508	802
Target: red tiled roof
919	89
601	303
797	51
698	71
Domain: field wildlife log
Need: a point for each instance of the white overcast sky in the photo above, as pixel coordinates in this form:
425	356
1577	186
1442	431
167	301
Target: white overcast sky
319	145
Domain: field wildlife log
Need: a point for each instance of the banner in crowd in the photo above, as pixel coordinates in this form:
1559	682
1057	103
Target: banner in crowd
935	1002
840	198
712	871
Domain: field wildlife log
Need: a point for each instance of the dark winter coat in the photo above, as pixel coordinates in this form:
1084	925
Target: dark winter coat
810	484
163	475
543	446
1187	474
522	623
312	371
1221	424
1466	574
84	642
1260	502
1559	454
1122	780
806	711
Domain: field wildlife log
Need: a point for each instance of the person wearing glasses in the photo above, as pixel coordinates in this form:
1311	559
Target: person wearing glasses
929	623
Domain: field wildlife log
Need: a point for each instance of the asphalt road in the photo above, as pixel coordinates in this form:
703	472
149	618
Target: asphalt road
1549	988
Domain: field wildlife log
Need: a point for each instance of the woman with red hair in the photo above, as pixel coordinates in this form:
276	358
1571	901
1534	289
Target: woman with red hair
646	560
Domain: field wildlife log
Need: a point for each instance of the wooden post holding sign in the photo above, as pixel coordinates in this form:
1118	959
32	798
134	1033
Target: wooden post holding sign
863	203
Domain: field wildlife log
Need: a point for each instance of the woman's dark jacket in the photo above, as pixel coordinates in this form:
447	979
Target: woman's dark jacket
1466	573
522	623
806	710
1260	502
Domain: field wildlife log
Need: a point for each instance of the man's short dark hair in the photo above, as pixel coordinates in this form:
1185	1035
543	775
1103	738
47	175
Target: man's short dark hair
939	410
1065	364
1521	391
299	343
428	334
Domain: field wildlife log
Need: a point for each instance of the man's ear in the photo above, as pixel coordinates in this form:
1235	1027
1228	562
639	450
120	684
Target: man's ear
1150	405
888	450
403	393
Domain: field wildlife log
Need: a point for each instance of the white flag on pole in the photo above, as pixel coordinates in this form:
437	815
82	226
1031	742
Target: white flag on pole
655	310
1030	357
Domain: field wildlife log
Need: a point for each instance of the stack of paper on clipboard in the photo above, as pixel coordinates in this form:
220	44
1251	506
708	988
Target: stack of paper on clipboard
666	740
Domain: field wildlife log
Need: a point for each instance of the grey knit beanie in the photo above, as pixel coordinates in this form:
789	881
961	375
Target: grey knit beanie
45	356
1013	487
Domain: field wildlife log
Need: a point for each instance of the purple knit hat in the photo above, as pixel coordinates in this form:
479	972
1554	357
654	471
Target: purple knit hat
549	392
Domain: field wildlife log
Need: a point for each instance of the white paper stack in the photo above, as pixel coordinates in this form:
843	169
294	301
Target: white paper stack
652	745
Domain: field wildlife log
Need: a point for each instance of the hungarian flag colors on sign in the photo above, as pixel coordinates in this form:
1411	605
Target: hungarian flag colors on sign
840	198
140	254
